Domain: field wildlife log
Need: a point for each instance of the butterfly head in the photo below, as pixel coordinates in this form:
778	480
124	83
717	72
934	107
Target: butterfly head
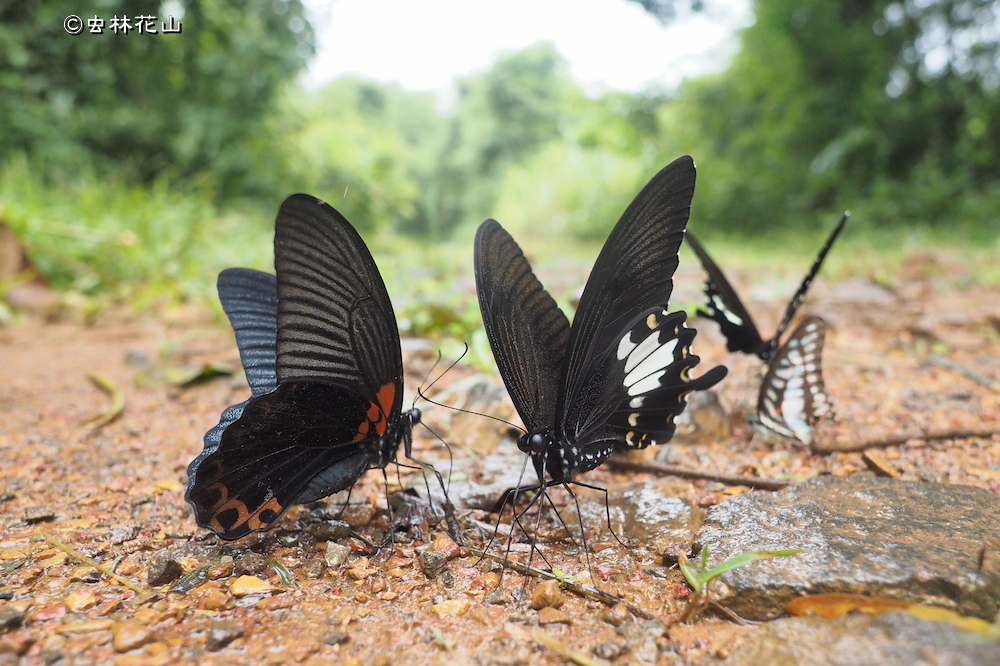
535	442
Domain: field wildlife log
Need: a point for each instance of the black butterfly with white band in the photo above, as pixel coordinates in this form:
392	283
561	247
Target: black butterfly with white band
792	395
619	375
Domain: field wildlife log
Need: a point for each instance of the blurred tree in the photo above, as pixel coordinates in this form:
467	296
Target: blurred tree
371	149
182	103
503	117
832	101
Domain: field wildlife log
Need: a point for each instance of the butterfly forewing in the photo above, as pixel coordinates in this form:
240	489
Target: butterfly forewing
335	320
726	308
526	329
632	277
800	294
792	396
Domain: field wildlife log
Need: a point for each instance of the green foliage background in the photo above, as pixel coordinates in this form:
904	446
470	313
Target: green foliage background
135	167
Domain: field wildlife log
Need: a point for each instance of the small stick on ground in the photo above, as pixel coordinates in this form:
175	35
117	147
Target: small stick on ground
563	650
689	473
577	588
897	441
142	593
977	377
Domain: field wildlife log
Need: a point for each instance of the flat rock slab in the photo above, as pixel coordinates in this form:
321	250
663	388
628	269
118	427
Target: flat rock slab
859	640
918	542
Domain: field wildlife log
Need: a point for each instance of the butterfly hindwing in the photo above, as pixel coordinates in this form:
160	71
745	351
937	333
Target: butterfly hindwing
657	364
792	396
250	300
296	438
726	308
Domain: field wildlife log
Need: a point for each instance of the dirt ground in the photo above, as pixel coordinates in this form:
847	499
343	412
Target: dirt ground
908	361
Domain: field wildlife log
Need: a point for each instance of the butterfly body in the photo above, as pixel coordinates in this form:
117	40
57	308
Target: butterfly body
322	356
617	377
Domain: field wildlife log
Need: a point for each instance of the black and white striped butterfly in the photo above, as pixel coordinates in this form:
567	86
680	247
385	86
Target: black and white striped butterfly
619	375
726	308
792	396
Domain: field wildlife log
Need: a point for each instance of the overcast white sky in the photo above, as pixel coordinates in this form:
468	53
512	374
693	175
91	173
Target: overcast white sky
425	44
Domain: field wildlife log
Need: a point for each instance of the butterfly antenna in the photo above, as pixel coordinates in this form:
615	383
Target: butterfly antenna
469	411
800	295
443	373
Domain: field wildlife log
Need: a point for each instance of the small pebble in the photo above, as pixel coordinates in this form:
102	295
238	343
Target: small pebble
497	598
447	578
358	515
7	594
38	514
336	554
224	569
444	544
432	562
547	594
550	615
83	599
608	650
335	637
214	599
128	635
247	585
451	608
221	634
10	618
163	570
249	565
616	615
361	569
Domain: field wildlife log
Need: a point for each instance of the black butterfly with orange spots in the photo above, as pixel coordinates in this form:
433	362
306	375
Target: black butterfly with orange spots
321	351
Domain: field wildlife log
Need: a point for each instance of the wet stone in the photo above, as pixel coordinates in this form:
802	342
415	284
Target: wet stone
865	535
119	534
335	637
890	638
432	562
38	514
497	597
249	565
10	618
649	514
221	634
163	570
330	530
